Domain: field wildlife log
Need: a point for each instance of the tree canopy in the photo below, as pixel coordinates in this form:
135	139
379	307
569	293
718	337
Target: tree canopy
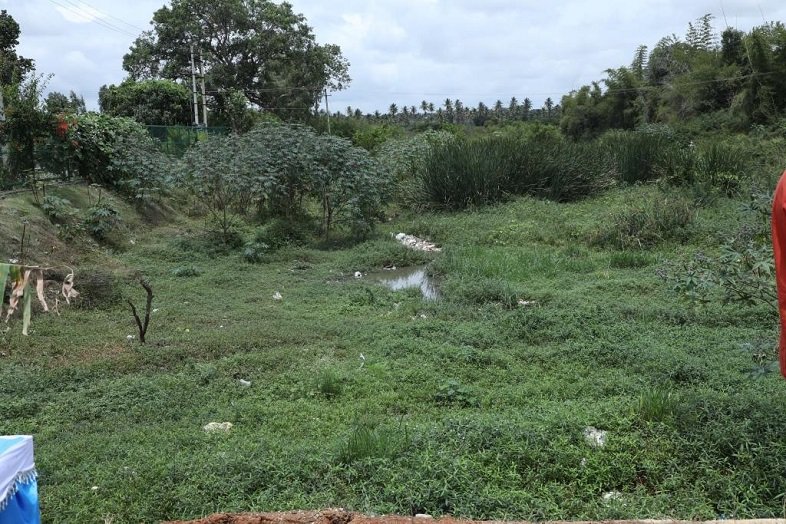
258	48
12	66
150	102
731	82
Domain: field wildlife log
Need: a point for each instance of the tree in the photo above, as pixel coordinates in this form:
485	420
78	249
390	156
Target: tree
256	47
13	68
526	108
149	102
59	103
513	108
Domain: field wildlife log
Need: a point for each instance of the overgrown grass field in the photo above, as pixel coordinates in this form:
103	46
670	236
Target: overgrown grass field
474	404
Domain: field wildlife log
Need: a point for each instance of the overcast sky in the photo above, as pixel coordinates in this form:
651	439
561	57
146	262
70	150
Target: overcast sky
404	51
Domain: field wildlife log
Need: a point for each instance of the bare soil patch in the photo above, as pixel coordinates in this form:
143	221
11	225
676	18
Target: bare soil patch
339	516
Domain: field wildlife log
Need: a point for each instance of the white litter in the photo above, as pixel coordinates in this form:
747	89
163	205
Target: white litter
358	274
610	496
213	427
277	296
413	242
244	383
594	437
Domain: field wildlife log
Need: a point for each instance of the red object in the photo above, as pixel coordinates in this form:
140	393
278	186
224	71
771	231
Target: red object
779	250
62	128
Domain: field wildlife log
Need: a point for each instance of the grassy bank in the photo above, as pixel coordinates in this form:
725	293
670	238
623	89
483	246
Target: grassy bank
472	405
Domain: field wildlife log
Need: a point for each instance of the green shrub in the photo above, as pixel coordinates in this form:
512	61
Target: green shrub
58	210
279	232
454	392
100	220
186	271
466	173
371	137
254	252
285	171
113	151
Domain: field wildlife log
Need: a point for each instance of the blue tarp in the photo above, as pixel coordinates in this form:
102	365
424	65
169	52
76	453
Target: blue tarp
18	486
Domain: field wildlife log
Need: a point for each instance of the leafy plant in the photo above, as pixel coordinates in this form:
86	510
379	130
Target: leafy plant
454	392
743	271
186	271
100	220
58	210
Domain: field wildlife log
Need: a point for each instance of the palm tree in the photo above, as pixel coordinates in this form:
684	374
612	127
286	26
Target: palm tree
548	105
526	108
498	110
459	107
424	107
393	111
513	108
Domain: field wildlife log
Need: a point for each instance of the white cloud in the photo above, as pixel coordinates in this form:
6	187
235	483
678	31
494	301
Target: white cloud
404	51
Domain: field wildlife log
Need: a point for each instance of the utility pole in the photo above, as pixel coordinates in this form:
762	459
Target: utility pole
327	110
194	88
204	100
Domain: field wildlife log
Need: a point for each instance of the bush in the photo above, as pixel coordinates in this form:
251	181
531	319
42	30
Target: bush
112	151
100	220
368	441
280	232
58	210
283	169
186	271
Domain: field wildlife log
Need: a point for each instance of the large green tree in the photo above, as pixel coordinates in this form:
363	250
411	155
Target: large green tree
259	48
150	102
13	67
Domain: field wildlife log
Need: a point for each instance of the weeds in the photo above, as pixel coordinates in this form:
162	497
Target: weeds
664	218
658	405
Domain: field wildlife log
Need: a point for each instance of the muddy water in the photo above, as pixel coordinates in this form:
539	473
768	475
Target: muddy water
405	278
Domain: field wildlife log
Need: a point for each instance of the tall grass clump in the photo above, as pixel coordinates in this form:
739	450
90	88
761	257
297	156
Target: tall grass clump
723	166
575	170
638	156
466	173
663	217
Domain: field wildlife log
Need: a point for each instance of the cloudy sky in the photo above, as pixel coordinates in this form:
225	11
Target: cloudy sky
404	51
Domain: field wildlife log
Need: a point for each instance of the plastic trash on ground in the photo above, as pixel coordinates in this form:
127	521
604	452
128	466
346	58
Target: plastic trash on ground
18	486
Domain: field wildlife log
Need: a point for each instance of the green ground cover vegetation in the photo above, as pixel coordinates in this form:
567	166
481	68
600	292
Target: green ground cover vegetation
605	263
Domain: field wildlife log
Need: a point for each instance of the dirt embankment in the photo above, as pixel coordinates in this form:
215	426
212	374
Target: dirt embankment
338	516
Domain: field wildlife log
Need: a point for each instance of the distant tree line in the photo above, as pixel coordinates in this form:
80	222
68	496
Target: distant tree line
729	82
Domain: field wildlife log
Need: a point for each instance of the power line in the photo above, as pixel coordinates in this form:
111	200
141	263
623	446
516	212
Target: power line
93	18
108	15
